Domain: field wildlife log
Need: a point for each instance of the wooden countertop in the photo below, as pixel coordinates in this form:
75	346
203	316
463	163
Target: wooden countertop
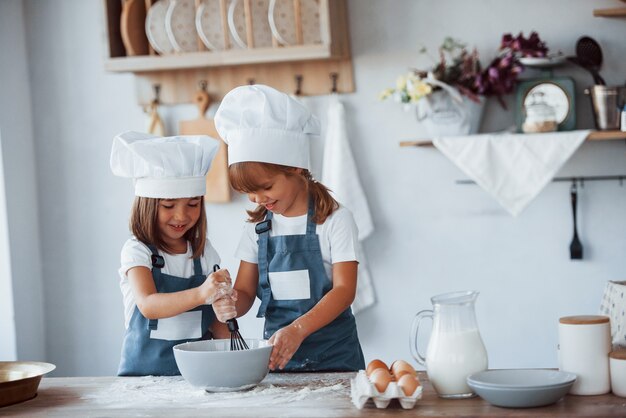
279	395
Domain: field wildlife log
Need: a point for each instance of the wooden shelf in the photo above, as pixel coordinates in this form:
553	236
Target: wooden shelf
278	66
614	12
206	59
593	136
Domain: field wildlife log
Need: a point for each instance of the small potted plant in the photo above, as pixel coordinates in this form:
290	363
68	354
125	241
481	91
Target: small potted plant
449	98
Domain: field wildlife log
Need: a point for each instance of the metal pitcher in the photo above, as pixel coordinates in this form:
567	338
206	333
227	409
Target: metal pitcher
455	349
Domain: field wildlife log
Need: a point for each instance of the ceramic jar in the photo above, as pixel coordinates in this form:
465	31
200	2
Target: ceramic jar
617	361
584	346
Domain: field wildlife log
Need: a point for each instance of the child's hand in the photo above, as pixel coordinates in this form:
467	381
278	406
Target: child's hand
217	285
224	307
286	342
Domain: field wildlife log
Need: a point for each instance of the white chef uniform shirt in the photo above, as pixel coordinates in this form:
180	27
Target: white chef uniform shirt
338	237
135	253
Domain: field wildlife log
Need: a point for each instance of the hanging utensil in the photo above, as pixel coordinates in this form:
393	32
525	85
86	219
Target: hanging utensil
237	342
576	247
155	123
589	57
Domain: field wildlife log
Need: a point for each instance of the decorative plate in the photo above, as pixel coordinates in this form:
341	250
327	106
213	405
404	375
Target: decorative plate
155	28
542	62
262	34
282	19
180	27
209	25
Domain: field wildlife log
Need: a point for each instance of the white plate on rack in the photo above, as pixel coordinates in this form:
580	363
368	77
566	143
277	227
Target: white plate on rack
155	28
542	62
262	34
282	20
180	25
209	25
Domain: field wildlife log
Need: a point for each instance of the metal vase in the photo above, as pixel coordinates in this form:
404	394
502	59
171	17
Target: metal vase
607	102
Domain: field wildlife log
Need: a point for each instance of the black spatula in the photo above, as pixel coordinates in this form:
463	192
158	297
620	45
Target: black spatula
576	247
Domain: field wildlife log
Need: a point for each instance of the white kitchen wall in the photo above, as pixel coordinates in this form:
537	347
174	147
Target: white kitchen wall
21	295
431	235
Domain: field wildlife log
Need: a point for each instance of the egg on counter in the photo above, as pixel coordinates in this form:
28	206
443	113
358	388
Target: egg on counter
381	379
375	364
408	383
400	367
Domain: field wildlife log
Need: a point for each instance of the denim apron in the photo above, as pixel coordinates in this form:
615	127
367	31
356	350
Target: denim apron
292	280
147	349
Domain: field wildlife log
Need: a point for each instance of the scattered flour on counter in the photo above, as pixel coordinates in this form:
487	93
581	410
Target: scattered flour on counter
134	391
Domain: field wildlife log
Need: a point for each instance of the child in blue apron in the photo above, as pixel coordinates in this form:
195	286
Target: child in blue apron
164	283
299	250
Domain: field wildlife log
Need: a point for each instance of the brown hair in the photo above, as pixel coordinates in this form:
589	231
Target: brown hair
143	224
244	178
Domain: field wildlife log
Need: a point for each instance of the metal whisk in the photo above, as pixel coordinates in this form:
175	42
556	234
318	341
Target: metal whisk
237	342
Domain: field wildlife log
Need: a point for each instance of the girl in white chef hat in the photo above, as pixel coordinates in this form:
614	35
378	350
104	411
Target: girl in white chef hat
299	250
165	264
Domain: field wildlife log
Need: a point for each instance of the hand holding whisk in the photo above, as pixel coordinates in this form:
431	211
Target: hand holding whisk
236	340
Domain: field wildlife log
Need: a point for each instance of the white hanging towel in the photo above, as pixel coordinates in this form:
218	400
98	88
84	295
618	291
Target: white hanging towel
512	168
339	174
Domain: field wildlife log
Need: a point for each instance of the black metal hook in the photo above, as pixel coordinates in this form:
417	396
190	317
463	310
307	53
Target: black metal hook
298	85
157	93
334	77
203	85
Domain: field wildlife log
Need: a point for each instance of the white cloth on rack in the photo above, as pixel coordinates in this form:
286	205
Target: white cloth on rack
513	168
339	173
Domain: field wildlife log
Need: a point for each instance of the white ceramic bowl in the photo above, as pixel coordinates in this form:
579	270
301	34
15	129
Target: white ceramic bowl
212	366
521	388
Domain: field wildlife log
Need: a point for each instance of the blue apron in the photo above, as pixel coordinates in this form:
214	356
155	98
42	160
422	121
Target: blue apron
145	355
334	347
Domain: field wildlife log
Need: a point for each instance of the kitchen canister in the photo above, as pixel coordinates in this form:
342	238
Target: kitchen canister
584	347
617	361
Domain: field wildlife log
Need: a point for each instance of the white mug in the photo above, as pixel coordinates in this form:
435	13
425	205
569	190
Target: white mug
584	346
617	360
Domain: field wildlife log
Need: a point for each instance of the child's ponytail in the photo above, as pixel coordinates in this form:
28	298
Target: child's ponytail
325	204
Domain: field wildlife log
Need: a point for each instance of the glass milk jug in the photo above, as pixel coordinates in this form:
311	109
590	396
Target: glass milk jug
455	349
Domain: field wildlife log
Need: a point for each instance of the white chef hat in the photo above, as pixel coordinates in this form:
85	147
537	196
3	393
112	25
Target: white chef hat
164	167
262	124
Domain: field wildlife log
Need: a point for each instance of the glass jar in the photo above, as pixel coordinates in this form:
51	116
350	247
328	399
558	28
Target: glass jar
540	116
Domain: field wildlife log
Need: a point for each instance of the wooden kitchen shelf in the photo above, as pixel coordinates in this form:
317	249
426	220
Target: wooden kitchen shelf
207	59
318	66
614	12
593	136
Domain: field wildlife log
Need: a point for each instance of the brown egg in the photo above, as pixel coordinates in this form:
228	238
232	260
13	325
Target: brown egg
398	375
373	365
380	378
408	383
399	366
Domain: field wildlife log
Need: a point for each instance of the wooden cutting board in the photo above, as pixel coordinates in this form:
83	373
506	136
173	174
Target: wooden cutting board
133	27
217	184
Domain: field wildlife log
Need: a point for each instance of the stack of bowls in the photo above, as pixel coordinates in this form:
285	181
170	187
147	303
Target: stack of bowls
521	388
